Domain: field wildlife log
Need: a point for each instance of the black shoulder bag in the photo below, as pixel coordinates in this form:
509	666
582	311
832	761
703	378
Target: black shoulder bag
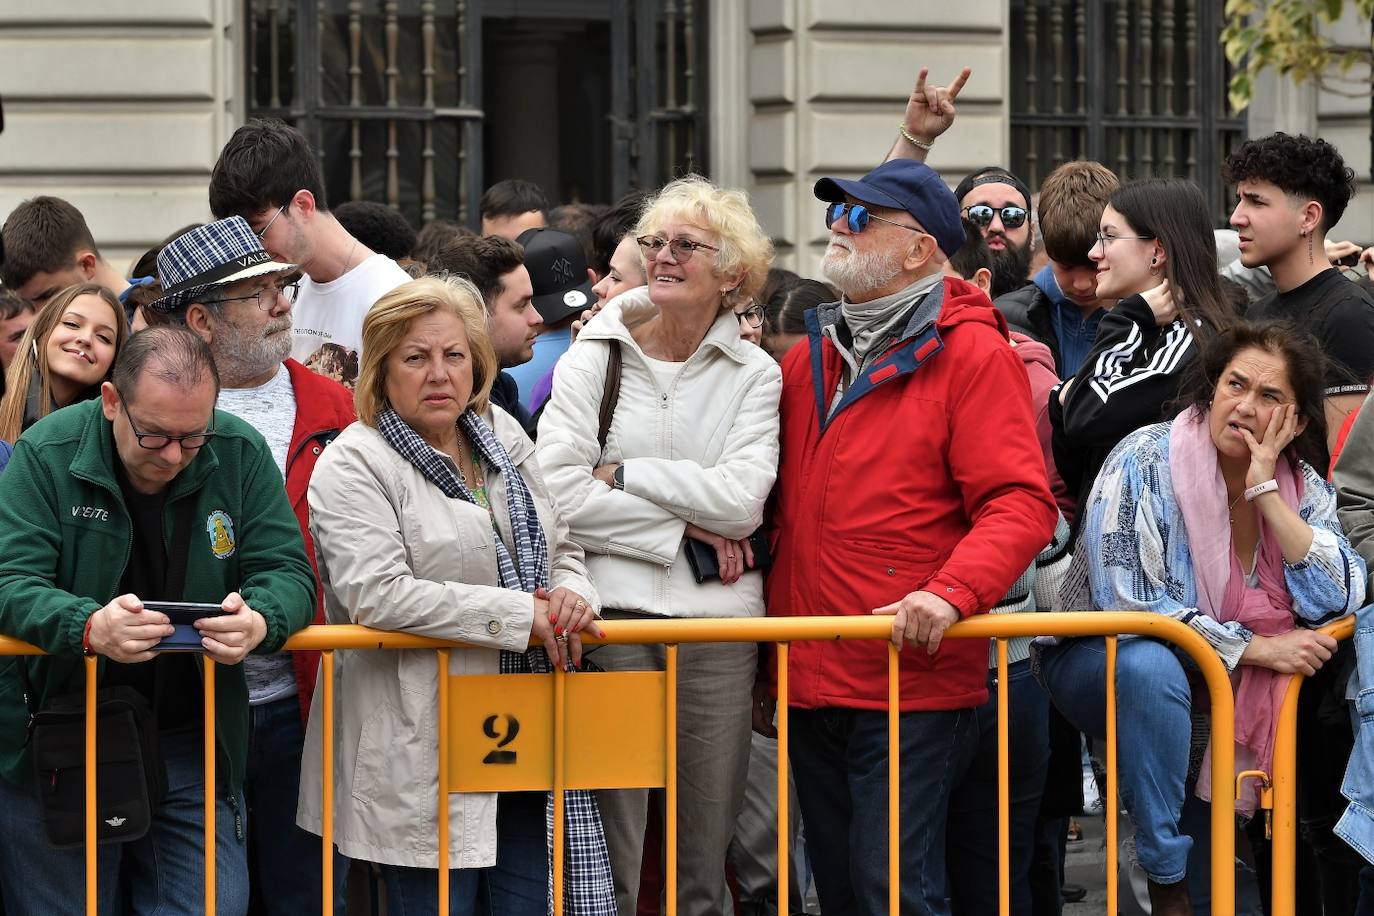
131	777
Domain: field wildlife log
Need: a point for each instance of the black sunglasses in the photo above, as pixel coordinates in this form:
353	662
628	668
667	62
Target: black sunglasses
982	214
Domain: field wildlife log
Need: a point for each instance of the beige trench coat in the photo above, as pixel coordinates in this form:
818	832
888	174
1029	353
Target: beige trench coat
396	554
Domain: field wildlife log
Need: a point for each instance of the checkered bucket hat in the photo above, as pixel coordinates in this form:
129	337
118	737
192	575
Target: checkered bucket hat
215	254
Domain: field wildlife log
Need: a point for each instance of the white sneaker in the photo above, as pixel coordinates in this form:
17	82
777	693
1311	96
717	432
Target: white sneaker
1092	799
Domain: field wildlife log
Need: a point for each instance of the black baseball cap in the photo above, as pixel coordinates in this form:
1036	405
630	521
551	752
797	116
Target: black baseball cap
558	273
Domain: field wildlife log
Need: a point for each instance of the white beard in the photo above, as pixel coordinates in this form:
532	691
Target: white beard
854	273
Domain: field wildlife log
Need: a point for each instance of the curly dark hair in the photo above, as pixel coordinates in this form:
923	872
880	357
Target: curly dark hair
382	228
1306	365
1299	165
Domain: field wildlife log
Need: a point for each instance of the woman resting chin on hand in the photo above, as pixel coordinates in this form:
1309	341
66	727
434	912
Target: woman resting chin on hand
1212	519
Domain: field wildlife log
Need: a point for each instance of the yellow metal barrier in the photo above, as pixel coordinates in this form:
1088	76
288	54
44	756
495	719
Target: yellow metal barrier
1284	785
327	639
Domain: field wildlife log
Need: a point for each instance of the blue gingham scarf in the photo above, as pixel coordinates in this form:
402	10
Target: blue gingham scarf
588	889
532	550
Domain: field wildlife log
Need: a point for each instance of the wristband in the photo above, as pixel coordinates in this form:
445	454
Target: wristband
926	145
86	636
1259	489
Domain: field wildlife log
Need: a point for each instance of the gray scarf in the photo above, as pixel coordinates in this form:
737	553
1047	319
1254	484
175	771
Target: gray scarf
872	325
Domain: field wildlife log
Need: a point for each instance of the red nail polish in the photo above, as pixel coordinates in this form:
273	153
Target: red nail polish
558	631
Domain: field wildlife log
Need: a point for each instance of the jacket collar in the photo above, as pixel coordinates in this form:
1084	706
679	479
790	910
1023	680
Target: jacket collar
918	341
95	455
925	310
316	414
510	434
634	307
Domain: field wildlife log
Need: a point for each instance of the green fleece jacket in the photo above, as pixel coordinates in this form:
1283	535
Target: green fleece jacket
65	539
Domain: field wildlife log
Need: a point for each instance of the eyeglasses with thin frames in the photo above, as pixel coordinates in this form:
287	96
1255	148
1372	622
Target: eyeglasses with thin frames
154	442
680	249
289	290
857	218
753	314
1105	240
268	225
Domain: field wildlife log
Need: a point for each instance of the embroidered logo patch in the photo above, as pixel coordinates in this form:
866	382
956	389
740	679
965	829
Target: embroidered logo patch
220	529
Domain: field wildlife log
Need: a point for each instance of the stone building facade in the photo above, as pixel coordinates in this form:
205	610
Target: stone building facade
122	107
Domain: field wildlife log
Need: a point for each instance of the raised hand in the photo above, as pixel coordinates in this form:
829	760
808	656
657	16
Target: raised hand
1161	301
930	110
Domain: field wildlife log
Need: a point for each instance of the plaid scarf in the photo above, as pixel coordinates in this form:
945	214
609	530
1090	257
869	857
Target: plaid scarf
532	551
588	889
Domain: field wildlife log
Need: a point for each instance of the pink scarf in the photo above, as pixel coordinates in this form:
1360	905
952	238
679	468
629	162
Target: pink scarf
1222	593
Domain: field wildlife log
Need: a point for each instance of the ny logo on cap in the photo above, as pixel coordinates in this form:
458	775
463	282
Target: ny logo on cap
562	271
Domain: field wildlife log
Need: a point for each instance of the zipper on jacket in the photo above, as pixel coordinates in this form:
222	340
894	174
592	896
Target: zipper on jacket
637	554
238	816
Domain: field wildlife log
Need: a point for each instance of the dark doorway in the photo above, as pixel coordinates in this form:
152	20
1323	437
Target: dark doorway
424	104
547	96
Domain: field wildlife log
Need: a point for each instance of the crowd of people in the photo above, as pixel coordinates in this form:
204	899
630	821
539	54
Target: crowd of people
998	400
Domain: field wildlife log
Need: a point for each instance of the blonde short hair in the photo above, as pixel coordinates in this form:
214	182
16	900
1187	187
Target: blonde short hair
744	247
388	322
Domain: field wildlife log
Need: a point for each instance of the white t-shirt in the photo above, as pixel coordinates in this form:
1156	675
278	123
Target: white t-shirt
271	410
327	320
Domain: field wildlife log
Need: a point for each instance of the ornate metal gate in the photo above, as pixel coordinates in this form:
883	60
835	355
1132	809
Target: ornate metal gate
1138	85
390	92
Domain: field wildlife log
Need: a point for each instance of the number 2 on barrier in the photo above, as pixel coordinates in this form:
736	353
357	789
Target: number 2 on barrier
502	731
512	728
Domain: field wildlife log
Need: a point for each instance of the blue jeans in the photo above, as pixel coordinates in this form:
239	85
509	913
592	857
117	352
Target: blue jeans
971	842
283	859
163	871
517	885
839	763
1154	729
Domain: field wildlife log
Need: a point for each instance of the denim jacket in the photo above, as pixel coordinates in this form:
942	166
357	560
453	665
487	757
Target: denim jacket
1356	826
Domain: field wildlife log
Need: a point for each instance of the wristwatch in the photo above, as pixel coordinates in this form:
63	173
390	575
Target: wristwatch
618	477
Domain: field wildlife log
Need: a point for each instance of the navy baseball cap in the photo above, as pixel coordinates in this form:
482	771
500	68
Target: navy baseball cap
905	184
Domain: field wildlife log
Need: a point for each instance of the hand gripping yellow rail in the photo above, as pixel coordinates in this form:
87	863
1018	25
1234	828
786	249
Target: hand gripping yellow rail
570	761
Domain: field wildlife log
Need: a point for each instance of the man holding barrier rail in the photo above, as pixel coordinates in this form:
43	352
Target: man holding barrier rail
147	494
911	484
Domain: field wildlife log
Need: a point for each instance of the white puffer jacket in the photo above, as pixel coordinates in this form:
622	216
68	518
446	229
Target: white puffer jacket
703	451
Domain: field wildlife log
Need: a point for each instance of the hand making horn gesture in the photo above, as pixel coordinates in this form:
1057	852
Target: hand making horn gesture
930	110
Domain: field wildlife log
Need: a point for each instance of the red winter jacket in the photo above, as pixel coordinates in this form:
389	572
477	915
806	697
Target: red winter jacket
323	409
928	477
